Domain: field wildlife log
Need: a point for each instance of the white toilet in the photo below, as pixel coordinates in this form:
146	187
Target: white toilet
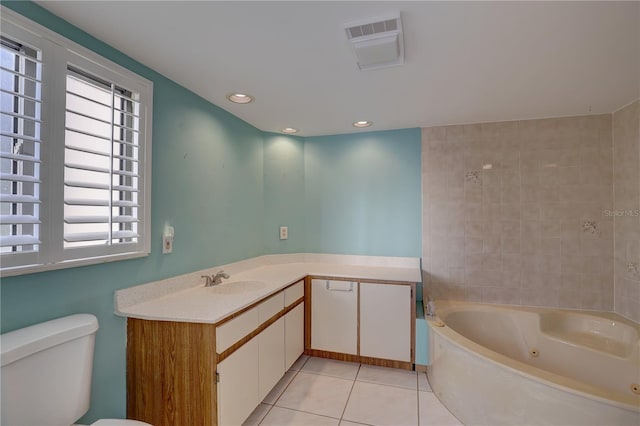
46	373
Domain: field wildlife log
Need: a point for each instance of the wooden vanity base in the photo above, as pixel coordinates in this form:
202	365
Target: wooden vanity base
171	373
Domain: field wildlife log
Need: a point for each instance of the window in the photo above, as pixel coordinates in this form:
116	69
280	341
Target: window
101	162
21	99
75	153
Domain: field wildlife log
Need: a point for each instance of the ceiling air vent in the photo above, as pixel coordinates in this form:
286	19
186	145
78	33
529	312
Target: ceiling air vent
377	42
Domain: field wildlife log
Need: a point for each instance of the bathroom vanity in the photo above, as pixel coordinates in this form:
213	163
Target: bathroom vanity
186	373
209	356
372	322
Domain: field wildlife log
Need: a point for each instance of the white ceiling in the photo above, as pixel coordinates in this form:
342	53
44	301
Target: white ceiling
465	62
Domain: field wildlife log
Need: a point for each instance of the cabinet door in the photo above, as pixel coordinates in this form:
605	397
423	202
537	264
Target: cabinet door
385	321
238	388
271	354
334	316
293	335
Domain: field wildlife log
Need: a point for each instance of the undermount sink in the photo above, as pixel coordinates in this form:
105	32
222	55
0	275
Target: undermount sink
237	287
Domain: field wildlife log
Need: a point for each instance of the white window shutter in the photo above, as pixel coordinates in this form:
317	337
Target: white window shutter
101	177
75	153
20	150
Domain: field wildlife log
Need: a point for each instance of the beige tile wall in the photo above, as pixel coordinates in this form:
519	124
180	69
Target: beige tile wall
514	212
626	210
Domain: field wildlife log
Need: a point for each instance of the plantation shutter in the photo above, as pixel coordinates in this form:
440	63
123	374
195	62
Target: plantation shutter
20	147
101	163
75	153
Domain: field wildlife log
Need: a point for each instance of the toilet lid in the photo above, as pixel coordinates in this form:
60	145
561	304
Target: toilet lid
119	422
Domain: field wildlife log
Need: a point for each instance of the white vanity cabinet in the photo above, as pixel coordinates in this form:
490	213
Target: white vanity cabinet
293	325
238	384
189	373
271	356
247	375
200	373
385	321
294	335
362	321
271	344
334	316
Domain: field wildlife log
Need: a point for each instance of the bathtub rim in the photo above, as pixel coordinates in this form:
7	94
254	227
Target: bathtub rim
620	400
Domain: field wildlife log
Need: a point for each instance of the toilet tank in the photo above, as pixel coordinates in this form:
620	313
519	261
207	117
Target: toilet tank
46	371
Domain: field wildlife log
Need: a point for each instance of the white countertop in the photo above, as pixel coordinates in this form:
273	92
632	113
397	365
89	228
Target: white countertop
185	299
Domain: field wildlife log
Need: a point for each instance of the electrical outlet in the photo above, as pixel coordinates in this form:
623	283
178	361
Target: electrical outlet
284	232
167	240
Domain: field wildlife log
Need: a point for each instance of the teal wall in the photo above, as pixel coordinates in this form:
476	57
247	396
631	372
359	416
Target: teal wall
226	187
362	193
353	194
422	336
283	193
207	181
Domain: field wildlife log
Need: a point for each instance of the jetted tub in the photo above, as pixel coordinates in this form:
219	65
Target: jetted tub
496	365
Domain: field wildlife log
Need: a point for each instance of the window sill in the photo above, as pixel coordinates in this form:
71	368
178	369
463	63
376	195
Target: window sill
32	269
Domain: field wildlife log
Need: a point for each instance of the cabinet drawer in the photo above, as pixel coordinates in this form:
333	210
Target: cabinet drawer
230	332
270	307
293	293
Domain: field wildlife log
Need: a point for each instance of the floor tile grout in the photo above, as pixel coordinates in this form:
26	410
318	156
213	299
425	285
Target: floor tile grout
266	414
326	375
281	393
350	391
301	411
286	387
387	384
353	380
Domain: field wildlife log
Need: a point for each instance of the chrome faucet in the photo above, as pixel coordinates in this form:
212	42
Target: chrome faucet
431	307
216	279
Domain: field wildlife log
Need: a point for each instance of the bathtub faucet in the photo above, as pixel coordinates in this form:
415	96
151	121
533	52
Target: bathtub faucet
215	279
431	307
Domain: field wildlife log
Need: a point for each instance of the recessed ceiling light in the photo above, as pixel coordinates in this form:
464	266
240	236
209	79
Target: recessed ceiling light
289	130
240	98
362	123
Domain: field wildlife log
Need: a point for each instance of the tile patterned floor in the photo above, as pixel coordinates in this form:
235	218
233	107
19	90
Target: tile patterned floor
318	391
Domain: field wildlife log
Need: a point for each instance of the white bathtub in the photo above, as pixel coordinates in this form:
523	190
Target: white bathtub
496	365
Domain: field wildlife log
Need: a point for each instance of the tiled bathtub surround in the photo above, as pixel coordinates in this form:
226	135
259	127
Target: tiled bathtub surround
626	210
514	212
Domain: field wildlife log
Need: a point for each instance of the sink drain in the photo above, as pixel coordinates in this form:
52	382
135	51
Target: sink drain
534	352
635	388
